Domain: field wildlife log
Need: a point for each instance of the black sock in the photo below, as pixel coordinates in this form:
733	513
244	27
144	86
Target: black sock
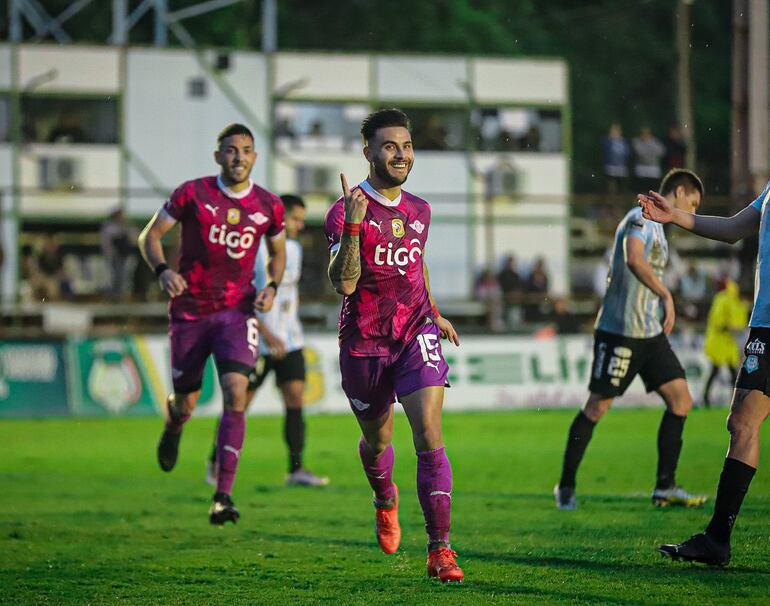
294	434
580	433
709	382
669	448
733	486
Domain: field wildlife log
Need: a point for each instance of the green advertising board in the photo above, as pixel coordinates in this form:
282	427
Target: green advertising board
33	379
123	376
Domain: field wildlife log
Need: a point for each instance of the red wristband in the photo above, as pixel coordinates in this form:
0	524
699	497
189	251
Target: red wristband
434	309
351	229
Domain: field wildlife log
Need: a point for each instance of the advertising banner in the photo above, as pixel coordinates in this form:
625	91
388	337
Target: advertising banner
124	375
33	380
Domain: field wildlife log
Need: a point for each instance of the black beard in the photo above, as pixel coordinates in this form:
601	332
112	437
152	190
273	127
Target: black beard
386	178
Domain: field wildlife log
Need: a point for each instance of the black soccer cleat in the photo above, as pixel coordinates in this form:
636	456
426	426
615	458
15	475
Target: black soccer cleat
701	548
222	510
168	449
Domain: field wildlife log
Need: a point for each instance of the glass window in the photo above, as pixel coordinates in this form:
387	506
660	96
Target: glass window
436	129
517	129
303	125
52	119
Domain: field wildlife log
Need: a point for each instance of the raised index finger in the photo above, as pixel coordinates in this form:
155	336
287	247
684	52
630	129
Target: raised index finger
345	188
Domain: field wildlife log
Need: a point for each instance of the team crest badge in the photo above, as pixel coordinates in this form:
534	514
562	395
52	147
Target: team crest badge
233	216
751	364
398	228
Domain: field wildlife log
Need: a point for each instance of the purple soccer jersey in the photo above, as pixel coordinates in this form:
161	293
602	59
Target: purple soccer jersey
221	231
391	302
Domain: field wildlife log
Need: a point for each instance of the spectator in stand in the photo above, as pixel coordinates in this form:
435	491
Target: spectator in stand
564	321
51	280
538	278
676	149
117	237
648	153
488	292
693	288
616	153
511	285
536	290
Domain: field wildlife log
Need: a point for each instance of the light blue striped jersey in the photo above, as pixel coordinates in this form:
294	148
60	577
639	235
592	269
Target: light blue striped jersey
760	315
283	319
630	308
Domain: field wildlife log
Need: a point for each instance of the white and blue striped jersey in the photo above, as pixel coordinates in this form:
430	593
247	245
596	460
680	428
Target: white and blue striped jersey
630	308
760	315
283	319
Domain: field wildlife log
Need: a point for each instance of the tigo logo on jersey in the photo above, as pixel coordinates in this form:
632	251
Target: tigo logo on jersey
233	216
755	347
237	243
398	228
401	257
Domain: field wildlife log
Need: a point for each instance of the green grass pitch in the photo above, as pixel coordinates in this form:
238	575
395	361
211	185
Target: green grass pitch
86	517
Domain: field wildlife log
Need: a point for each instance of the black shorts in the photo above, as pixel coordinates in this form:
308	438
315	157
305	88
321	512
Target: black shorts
618	359
755	370
289	368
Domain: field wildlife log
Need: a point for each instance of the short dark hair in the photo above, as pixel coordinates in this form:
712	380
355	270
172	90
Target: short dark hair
233	129
680	176
291	201
384	118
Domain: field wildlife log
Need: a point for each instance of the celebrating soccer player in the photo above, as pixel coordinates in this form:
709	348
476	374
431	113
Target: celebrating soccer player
390	333
751	397
281	349
630	339
212	300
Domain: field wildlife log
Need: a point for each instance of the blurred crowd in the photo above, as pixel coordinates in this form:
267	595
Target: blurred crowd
638	165
513	296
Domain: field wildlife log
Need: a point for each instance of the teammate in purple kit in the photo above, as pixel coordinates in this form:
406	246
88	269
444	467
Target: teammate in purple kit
213	301
390	333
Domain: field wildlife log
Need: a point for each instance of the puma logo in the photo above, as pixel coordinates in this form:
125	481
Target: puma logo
212	209
377	224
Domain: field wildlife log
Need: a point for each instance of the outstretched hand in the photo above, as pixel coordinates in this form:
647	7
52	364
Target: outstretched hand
656	208
355	202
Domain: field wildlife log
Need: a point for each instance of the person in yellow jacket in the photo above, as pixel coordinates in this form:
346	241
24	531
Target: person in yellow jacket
727	318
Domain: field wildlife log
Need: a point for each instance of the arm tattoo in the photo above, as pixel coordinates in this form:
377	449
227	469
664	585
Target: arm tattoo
346	264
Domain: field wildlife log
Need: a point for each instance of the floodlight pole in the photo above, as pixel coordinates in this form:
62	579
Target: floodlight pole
684	112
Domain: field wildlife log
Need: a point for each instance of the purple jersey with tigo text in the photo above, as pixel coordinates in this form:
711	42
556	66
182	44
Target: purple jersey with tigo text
221	230
391	302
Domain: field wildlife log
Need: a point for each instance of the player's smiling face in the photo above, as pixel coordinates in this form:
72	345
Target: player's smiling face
390	154
236	156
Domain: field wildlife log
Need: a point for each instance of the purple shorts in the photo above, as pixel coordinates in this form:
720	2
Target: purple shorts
372	383
230	335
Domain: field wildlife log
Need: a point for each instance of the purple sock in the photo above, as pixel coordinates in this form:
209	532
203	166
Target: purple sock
232	429
434	489
175	419
379	470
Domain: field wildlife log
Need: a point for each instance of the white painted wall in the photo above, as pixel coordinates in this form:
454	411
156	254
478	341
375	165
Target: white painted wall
537	81
419	78
69	69
99	169
174	134
321	76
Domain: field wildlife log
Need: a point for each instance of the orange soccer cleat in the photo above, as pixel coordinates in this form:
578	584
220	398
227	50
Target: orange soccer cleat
442	564
387	527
